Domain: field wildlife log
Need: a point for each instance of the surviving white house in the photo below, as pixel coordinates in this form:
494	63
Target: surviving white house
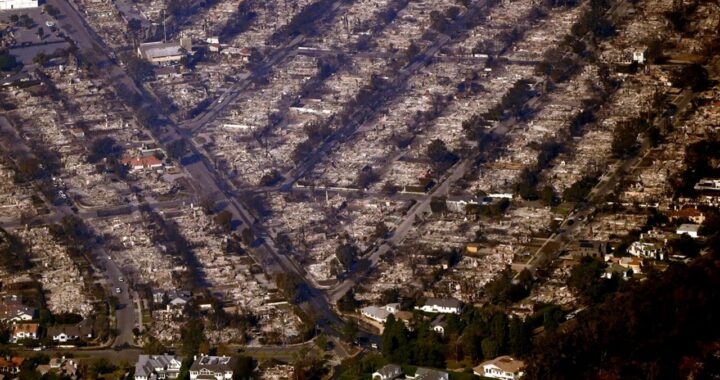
650	250
429	374
18	4
380	313
212	367
24	331
376	313
439	325
12	310
69	333
152	367
165	52
502	367
708	184
691	229
441	305
388	372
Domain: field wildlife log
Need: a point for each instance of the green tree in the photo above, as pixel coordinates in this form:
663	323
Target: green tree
290	285
490	348
694	76
499	330
154	347
585	279
519	337
224	220
347	303
104	148
395	340
243	369
350	331
51	10
547	196
192	337
389	296
440	155
177	149
625	139
139	69
578	191
552	318
8	62
346	254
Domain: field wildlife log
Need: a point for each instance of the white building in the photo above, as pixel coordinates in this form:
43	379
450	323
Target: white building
212	367
439	325
157	367
67	333
647	250
388	372
502	367
690	229
708	184
24	331
165	52
429	374
377	314
639	56
18	4
441	305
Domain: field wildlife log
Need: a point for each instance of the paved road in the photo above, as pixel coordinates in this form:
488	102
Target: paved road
125	315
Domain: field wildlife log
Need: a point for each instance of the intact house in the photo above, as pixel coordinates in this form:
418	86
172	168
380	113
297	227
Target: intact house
11	366
429	374
591	248
212	367
157	367
18	4
693	230
12	310
174	301
165	52
71	333
380	313
375	313
439	325
388	372
502	367
22	331
622	266
708	184
650	250
142	163
441	305
691	213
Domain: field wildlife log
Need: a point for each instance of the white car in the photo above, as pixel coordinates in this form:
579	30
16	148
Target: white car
118	290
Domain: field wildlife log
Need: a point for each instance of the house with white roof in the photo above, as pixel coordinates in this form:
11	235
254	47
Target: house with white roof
441	305
152	367
502	367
